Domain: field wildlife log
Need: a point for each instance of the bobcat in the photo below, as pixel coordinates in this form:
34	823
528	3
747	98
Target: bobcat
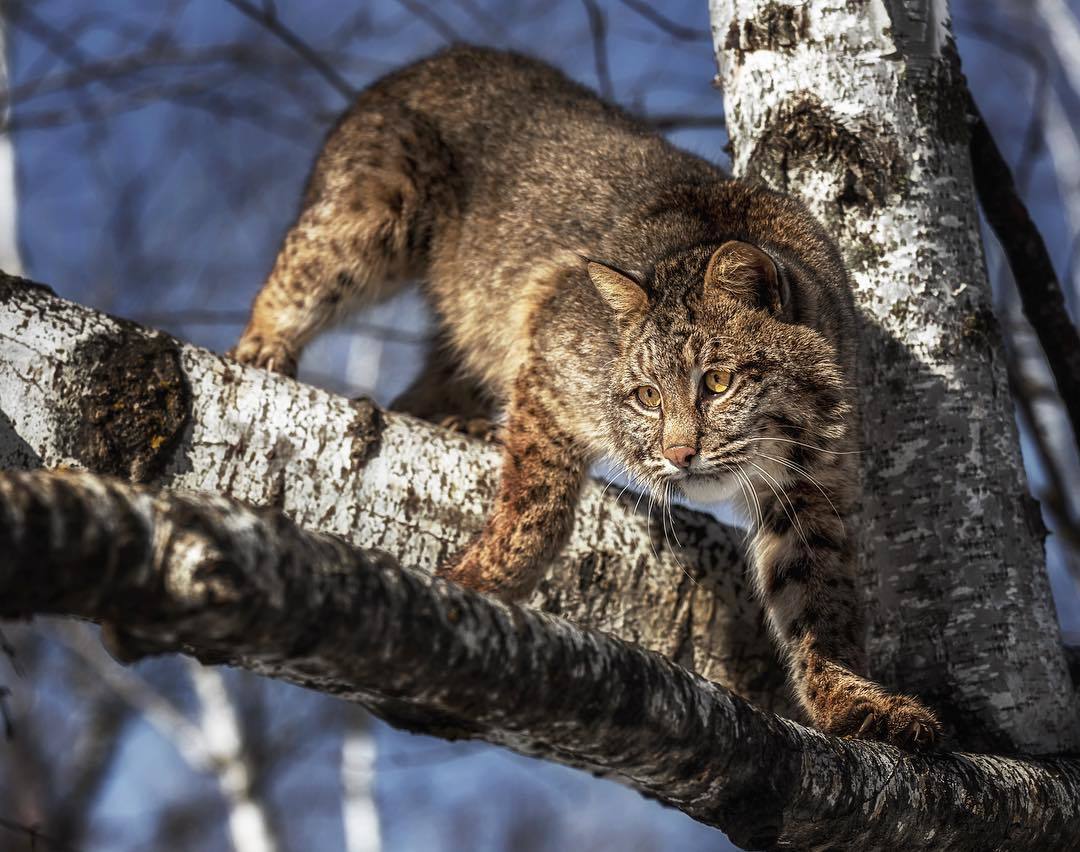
618	298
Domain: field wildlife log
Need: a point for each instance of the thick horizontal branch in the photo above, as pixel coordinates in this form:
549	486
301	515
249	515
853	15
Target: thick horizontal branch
81	389
227	583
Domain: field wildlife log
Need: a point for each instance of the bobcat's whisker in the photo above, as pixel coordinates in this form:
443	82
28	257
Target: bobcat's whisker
804	472
671	517
652	544
778	492
624	470
753	493
665	505
808	446
747	489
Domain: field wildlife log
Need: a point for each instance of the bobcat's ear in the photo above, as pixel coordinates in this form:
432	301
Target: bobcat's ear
620	290
745	272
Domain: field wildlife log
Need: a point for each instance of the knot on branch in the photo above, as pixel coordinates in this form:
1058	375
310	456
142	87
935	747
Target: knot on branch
128	404
214	557
866	164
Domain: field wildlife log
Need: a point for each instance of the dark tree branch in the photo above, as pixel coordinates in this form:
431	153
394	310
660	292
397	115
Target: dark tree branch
1029	53
598	31
1055	496
432	19
680	121
227	583
672	28
1040	291
267	17
1072	654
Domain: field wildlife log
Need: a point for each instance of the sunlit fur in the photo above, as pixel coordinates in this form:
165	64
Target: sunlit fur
519	198
771	395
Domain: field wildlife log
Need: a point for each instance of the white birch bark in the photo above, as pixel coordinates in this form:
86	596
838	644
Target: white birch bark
857	109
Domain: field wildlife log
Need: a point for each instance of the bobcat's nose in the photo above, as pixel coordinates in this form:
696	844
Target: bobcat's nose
680	456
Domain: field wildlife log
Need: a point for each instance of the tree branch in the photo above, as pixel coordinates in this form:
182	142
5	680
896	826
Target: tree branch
1040	290
211	577
268	18
669	26
598	33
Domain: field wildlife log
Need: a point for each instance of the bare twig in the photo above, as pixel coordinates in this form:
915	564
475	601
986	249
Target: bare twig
672	28
1033	135
598	31
430	17
680	121
1054	497
268	18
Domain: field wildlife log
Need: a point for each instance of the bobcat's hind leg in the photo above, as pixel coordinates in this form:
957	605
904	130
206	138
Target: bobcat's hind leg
443	394
364	229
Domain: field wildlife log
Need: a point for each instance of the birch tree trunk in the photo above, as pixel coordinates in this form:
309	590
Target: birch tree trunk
859	109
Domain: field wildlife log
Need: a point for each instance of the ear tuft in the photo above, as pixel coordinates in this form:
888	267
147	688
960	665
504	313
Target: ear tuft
745	272
620	291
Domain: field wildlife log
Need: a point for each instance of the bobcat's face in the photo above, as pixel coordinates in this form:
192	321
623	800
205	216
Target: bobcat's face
710	389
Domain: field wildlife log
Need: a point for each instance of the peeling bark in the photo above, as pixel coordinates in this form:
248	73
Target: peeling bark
952	563
81	389
227	583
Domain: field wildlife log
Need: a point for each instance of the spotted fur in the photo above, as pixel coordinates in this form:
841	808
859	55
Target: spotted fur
573	256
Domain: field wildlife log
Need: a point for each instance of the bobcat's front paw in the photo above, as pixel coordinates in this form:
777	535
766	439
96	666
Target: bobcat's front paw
861	708
270	353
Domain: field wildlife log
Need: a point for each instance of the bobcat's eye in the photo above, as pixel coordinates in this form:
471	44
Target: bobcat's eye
648	396
717	381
